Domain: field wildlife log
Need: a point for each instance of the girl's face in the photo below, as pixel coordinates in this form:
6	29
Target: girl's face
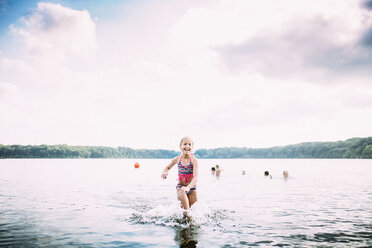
186	146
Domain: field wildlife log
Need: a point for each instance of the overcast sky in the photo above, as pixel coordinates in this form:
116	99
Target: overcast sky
143	74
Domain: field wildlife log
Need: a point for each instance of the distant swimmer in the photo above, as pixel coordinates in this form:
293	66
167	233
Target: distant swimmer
285	174
243	172
187	174
218	171
267	174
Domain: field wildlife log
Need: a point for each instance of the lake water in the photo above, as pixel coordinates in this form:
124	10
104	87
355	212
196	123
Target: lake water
109	203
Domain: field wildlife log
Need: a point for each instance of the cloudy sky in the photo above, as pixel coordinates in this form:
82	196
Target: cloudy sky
143	74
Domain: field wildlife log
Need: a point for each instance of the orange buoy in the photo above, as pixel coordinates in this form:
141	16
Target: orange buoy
136	165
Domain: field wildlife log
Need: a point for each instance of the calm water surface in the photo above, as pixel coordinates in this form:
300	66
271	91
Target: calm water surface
108	203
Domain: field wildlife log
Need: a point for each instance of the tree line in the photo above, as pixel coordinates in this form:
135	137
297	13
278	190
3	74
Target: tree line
351	148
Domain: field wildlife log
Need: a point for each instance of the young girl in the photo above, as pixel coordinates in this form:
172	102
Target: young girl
187	173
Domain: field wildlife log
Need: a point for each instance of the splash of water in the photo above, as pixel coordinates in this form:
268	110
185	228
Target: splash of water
173	215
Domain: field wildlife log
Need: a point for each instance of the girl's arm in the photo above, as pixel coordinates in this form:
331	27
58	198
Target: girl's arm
194	180
168	167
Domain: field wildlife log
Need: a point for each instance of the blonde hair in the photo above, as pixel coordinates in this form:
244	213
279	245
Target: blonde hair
187	137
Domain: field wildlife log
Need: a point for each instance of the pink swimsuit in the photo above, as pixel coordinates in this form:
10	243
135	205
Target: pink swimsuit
185	174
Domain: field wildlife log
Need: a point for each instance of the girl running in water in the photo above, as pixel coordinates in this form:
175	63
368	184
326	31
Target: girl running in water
187	173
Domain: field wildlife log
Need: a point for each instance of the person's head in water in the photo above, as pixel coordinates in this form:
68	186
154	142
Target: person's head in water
267	174
186	145
285	174
213	169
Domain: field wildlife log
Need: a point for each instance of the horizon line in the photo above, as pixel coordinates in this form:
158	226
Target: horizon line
195	150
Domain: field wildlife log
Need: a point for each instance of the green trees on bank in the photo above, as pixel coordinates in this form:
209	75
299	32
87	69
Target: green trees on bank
64	151
351	148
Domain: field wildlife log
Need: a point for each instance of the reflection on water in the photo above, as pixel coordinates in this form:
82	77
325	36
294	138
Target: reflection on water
107	203
186	237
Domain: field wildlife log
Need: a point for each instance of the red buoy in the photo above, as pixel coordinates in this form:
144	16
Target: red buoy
136	165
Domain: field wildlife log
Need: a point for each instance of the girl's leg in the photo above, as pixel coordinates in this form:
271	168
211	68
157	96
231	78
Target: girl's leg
192	198
184	199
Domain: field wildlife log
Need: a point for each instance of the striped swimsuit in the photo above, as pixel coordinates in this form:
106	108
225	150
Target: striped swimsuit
185	175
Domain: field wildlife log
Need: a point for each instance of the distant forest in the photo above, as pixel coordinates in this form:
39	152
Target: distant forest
351	148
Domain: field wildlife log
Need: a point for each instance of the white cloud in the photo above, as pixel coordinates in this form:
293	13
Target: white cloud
308	41
56	31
